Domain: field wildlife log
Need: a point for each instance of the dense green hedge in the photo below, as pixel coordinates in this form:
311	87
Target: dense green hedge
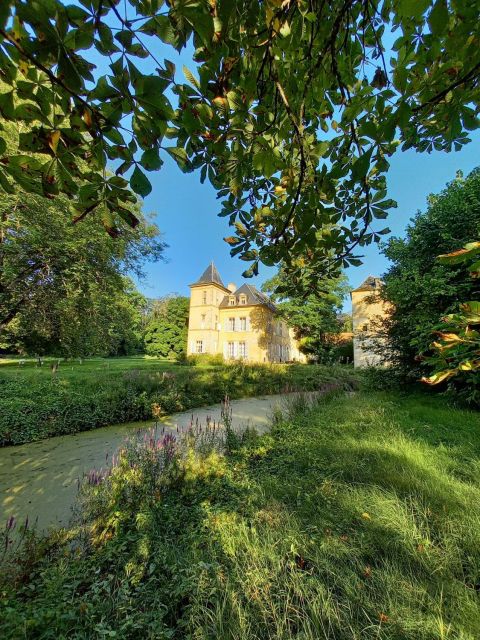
34	409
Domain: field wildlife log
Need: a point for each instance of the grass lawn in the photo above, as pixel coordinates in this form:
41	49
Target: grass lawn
76	370
356	519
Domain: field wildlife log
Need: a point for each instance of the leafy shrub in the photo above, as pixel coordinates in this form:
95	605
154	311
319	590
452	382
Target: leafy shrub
206	360
342	352
456	348
421	288
384	379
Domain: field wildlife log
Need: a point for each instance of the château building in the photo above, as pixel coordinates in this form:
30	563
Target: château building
238	323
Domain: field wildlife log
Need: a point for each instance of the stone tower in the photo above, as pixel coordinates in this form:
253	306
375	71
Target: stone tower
368	309
204	326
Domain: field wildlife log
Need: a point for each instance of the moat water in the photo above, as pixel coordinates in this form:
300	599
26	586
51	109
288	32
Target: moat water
40	479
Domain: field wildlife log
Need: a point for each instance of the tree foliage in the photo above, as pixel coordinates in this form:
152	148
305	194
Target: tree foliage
456	350
167	329
63	287
291	108
421	288
315	318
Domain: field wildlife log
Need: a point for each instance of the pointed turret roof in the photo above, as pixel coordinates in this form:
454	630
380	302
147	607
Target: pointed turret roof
210	276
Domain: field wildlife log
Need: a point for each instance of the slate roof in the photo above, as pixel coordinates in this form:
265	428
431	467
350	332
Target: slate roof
370	284
254	297
210	275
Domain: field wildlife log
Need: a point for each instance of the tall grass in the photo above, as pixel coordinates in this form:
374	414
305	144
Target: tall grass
356	518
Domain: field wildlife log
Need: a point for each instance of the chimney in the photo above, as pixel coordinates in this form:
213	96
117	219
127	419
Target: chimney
232	287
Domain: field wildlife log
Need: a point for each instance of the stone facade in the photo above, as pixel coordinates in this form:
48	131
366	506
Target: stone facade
367	310
237	323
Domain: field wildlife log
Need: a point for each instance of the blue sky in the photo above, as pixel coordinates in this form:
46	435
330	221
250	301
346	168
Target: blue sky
186	212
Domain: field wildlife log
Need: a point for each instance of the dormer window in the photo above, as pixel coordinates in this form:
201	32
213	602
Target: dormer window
243	299
231	301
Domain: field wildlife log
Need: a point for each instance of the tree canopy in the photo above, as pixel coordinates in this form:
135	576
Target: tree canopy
167	327
315	318
63	287
291	108
421	288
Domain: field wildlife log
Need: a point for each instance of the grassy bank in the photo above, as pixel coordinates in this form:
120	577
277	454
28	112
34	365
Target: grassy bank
37	404
356	519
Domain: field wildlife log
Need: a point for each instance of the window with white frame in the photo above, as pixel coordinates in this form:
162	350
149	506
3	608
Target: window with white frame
243	299
231	350
204	297
231	324
231	301
243	324
203	321
242	349
199	346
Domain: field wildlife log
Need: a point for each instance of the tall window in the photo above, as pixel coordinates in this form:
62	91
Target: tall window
243	299
231	301
199	346
231	349
203	320
243	324
242	349
231	324
204	297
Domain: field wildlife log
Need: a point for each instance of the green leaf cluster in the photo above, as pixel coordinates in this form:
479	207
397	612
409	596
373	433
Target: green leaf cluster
295	107
422	288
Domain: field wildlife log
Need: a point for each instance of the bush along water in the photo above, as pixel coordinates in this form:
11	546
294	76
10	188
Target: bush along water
49	407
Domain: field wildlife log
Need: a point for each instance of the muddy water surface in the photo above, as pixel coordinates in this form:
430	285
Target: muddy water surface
40	479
